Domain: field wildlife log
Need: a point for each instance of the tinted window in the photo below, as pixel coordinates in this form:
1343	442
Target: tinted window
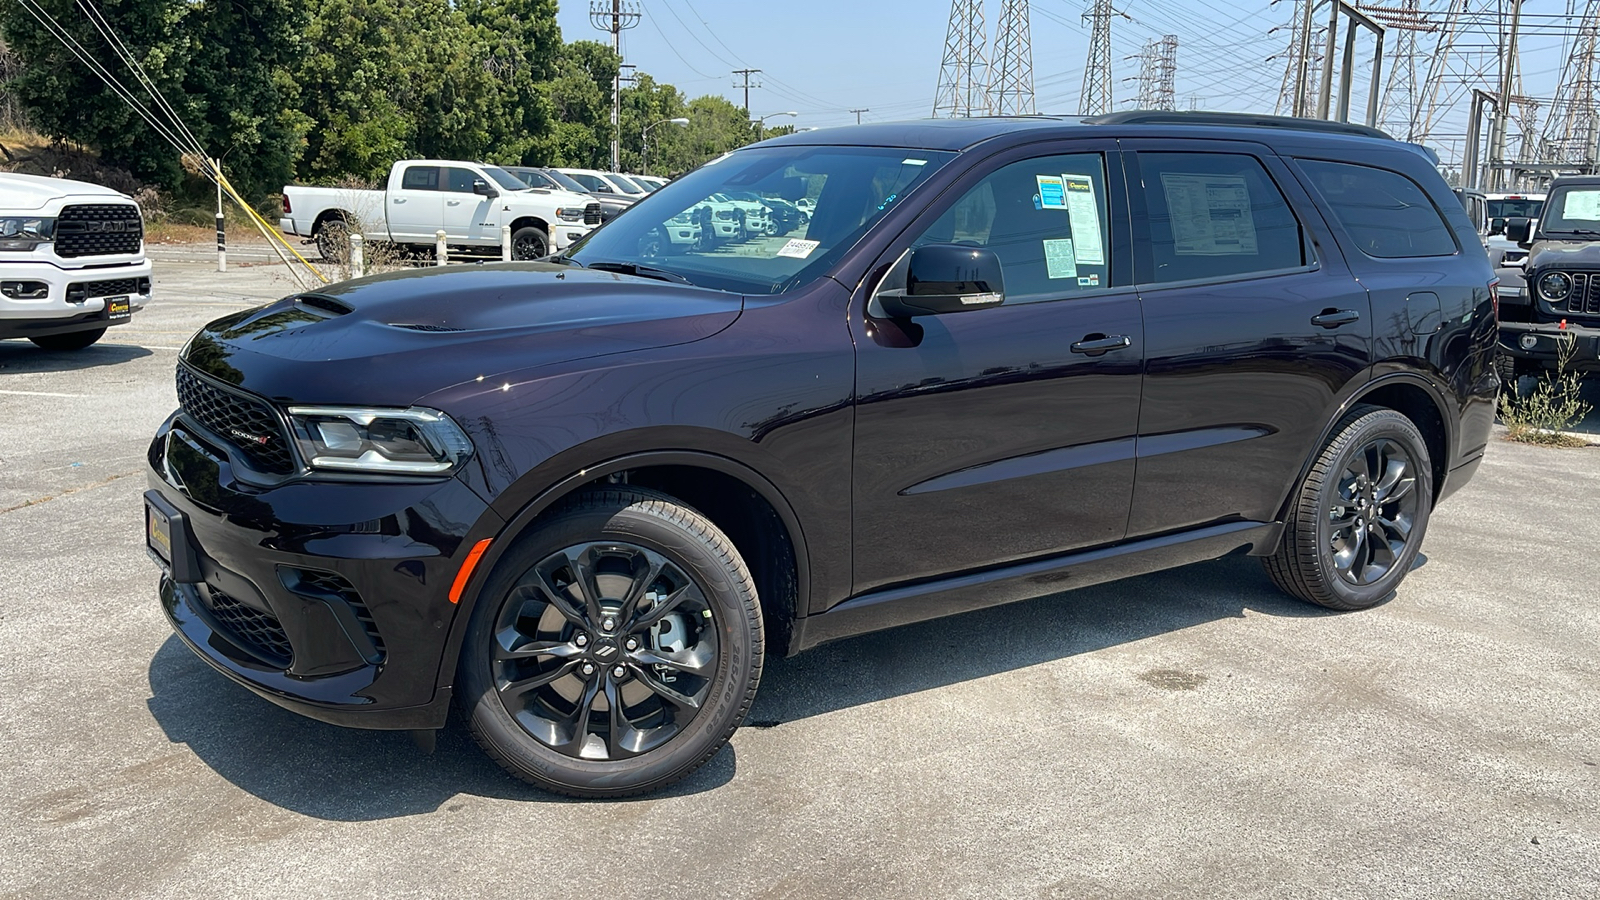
1508	208
591	183
1215	215
1044	218
1387	214
460	180
420	178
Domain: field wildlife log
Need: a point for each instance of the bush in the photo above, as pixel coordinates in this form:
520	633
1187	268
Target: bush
1551	408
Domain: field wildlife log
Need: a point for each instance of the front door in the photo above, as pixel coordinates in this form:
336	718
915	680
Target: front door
468	217
1003	433
1254	329
416	207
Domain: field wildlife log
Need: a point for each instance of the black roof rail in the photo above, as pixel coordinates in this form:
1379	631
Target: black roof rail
1253	120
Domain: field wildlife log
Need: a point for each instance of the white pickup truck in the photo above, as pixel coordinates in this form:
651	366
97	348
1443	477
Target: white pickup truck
72	261
468	201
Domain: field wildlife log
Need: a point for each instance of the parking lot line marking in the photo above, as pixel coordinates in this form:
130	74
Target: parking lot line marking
42	394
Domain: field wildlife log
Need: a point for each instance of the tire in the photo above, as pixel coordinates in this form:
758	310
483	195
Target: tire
1342	567
708	233
74	340
333	241
534	654
1506	366
529	242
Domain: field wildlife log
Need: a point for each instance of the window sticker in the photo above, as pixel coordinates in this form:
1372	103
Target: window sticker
1052	195
1085	215
1210	215
799	249
1088	281
1059	259
913	162
1584	205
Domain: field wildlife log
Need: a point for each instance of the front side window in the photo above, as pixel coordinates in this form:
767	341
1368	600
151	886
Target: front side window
460	180
592	183
1215	215
420	178
1044	218
1387	214
723	225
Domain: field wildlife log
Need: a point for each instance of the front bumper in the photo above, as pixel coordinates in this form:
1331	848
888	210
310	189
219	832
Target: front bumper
1544	337
328	598
74	299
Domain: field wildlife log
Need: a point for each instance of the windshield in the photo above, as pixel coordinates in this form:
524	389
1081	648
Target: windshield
698	227
649	185
506	180
1525	207
1573	209
624	184
564	181
592	184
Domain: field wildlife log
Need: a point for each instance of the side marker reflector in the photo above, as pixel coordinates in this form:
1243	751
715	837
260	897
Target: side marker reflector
465	575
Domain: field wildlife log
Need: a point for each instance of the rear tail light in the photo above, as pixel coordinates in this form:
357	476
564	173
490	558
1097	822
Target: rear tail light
1494	296
287	209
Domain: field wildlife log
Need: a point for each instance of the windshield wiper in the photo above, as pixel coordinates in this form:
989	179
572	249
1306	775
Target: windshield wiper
1587	231
562	259
627	268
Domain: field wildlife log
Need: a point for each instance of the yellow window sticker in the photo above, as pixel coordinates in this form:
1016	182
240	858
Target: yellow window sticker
1085	215
1059	259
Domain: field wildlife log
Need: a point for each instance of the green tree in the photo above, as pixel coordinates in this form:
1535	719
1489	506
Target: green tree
222	67
579	97
648	103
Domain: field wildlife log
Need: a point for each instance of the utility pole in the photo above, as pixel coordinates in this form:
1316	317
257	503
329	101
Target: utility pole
1096	96
963	73
858	113
1508	74
615	16
747	86
1011	70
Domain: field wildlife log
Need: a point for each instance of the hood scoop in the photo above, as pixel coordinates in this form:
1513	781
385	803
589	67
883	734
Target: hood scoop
419	327
325	304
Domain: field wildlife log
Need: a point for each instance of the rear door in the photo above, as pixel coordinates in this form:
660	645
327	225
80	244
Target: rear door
468	217
416	206
1004	433
1254	326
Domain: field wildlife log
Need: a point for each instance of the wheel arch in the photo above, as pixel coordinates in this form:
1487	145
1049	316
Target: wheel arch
526	220
330	215
739	500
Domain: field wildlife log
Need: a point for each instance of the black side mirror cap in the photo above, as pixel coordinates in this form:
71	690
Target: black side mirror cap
947	278
1497	225
1519	229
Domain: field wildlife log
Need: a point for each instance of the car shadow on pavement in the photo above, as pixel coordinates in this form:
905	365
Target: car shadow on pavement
329	772
21	357
345	774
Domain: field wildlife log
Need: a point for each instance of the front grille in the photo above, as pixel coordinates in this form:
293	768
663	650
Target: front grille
339	586
591	214
1585	297
77	293
252	629
246	422
98	229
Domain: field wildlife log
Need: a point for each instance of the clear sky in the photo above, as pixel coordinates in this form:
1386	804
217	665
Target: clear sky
822	58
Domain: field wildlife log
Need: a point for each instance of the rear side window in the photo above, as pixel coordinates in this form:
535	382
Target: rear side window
1387	214
420	178
1215	215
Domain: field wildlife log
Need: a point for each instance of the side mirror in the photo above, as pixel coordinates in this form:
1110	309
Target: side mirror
947	278
482	189
1519	229
1497	225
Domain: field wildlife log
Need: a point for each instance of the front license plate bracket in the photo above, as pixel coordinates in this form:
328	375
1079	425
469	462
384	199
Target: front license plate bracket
166	535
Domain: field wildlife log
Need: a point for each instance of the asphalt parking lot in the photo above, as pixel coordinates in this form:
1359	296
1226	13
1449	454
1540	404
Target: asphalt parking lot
1191	733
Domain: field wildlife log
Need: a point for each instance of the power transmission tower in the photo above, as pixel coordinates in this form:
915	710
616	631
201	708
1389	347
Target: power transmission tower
1400	109
1158	69
746	73
963	76
1011	71
1291	96
1572	126
615	16
1468	55
1096	96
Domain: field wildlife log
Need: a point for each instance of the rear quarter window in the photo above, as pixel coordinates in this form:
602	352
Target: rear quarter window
1386	214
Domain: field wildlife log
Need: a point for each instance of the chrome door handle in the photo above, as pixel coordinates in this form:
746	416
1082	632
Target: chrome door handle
399	199
452	202
1333	318
1094	345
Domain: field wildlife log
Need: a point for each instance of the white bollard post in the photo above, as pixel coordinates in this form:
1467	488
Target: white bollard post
222	245
441	252
505	243
358	261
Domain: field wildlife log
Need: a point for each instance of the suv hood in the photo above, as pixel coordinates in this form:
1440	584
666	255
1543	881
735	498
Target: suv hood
388	340
1564	255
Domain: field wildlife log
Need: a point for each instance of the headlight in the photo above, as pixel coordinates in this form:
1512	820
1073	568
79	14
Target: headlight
1555	286
385	441
25	233
725	214
570	214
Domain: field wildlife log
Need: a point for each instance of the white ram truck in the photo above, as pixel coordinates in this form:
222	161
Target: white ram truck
468	201
72	261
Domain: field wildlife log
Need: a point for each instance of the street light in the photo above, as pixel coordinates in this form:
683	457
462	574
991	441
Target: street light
646	138
763	120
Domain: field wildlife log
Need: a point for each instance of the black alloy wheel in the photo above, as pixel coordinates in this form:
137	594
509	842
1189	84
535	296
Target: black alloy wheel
529	242
333	241
1356	523
614	649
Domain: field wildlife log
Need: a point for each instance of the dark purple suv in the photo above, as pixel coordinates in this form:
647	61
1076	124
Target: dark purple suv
583	498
